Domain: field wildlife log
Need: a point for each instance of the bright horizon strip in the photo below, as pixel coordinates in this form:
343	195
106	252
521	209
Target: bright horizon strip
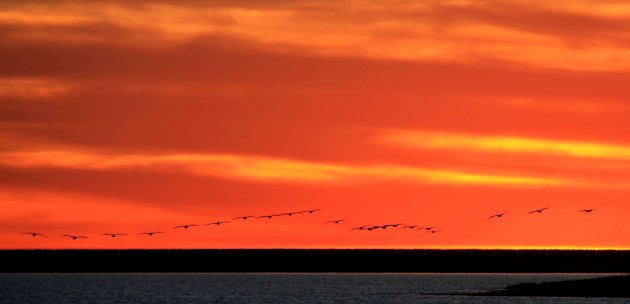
268	169
507	144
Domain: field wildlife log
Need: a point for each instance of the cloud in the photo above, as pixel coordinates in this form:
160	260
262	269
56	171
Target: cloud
251	101
504	144
35	88
529	33
266	169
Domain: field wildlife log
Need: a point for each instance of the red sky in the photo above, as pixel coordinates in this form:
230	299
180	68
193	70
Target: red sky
124	118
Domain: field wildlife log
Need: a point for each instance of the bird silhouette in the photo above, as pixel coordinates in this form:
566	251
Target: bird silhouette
310	211
185	226
335	221
267	216
364	227
114	234
587	210
289	213
243	217
150	233
429	228
374	227
434	231
33	234
409	227
390	225
498	215
217	223
74	237
538	210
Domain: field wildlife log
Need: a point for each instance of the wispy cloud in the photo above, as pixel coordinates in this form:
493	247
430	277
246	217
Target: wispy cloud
268	169
457	31
503	144
32	87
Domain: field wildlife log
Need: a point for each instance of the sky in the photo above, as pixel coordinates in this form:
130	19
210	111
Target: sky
137	116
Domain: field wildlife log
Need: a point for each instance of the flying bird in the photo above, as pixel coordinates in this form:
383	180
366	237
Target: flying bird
364	227
150	233
429	228
310	211
268	216
289	213
335	221
390	225
114	234
33	234
243	217
538	210
217	223
409	227
374	227
587	210
498	215
434	231
185	226
74	237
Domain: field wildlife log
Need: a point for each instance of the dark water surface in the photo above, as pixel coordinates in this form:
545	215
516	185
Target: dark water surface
271	288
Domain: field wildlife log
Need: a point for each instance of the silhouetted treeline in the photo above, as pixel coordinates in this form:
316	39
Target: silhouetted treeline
279	260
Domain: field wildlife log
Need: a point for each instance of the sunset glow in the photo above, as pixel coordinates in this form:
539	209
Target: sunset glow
127	117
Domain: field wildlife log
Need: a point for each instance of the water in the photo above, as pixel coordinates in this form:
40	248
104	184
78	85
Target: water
270	288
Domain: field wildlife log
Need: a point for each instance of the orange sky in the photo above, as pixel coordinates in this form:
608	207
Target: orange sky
124	118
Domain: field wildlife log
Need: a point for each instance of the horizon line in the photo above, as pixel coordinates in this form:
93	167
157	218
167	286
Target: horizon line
526	248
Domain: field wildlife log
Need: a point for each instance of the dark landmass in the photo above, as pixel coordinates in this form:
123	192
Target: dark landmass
297	260
607	287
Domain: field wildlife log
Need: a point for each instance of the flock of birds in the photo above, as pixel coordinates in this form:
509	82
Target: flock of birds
541	210
429	229
187	226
